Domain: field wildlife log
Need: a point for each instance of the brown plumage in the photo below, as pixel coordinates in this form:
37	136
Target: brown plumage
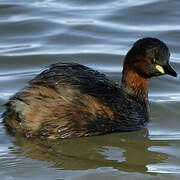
70	100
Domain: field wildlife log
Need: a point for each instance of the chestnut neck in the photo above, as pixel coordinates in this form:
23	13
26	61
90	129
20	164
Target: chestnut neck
133	83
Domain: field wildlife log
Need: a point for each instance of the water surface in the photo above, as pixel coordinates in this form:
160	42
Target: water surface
98	34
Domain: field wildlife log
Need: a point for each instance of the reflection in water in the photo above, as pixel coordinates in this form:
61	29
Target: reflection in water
127	152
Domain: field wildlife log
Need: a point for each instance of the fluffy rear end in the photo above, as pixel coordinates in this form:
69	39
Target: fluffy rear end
63	113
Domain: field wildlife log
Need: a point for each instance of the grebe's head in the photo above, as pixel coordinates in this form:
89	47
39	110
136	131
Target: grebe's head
149	57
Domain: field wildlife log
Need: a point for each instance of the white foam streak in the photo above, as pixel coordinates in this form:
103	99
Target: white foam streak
164	169
165	98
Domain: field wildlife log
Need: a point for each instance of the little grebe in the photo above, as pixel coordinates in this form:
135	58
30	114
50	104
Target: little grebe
70	100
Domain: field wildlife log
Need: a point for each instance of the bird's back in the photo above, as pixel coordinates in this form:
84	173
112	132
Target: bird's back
65	100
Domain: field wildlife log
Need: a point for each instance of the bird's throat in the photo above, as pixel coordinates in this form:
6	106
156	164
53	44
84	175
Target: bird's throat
134	84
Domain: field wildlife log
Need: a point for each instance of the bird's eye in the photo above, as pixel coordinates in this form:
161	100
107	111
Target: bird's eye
153	60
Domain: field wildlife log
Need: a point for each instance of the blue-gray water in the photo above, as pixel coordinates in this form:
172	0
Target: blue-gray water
36	33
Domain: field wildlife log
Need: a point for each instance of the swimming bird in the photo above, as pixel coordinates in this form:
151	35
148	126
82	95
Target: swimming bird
71	100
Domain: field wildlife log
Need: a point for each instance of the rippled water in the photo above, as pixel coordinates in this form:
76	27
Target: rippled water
36	33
